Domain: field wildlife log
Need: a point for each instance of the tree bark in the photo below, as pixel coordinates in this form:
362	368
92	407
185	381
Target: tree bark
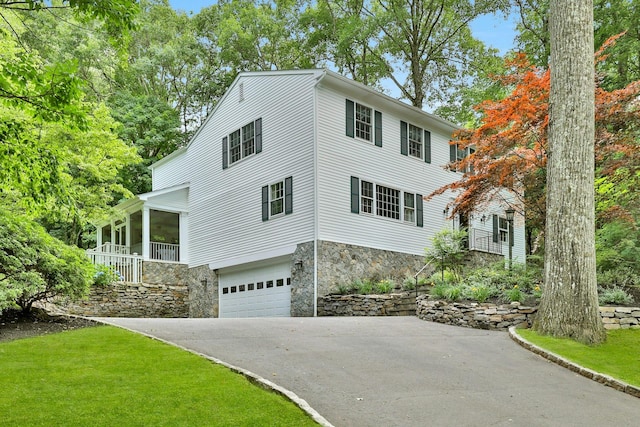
569	304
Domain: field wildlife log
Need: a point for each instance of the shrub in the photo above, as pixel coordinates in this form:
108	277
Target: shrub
384	286
479	292
514	294
614	296
363	286
409	284
105	276
343	289
35	266
453	293
448	249
621	276
439	290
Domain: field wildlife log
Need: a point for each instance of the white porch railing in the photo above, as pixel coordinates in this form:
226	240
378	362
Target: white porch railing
164	251
482	240
128	267
112	248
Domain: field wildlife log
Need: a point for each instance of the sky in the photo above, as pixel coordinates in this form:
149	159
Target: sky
493	30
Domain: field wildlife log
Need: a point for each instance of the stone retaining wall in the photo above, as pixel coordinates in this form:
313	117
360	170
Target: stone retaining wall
475	315
400	304
133	300
620	317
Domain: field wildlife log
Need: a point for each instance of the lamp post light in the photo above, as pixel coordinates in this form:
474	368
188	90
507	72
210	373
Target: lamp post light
509	213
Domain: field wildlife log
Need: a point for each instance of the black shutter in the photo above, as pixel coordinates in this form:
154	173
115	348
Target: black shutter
510	233
288	195
419	211
378	129
355	195
225	157
404	141
258	135
350	118
496	231
453	151
427	146
265	203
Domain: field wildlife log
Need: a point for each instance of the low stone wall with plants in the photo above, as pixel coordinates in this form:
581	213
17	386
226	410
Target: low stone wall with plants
132	300
620	317
475	315
398	304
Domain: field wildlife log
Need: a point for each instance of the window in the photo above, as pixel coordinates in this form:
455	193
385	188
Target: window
503	229
379	200
409	207
277	198
387	202
235	153
415	141
456	154
242	143
367	197
248	140
363	122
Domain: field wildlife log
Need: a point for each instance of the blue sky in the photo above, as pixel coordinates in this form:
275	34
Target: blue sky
495	31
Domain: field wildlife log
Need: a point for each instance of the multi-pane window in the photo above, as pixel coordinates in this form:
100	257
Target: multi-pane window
503	229
415	141
277	198
387	202
409	207
366	197
248	140
235	152
363	122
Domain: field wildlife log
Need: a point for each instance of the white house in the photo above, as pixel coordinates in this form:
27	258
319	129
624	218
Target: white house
296	182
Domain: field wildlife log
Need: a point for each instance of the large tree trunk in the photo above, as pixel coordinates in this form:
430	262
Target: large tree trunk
569	305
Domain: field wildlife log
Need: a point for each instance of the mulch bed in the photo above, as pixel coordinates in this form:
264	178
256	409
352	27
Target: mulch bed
15	325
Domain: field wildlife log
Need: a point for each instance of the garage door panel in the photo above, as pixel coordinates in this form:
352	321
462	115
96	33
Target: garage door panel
258	292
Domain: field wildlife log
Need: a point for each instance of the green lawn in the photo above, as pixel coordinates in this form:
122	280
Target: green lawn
618	357
105	376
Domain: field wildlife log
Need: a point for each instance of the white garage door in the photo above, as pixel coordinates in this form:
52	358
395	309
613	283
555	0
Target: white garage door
258	292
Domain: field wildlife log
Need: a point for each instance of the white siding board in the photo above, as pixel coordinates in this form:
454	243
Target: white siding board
340	157
225	205
173	172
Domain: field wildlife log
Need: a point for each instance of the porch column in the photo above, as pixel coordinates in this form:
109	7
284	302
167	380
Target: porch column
145	233
127	222
98	236
184	237
113	232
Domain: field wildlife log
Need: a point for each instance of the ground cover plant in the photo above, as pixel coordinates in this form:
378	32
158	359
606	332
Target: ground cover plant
105	376
617	357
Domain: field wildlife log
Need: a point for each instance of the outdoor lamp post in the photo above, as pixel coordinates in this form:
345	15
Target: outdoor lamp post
509	213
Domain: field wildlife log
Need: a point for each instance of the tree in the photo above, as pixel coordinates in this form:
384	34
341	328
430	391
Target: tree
569	303
448	250
511	147
35	266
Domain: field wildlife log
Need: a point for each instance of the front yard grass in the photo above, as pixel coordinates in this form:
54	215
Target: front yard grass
618	357
106	376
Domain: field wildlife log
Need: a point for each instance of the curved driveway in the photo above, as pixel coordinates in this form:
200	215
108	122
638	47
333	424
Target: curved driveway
401	371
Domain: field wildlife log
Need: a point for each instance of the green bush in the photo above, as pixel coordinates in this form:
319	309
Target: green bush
622	276
479	292
514	294
105	276
384	286
35	266
614	296
363	287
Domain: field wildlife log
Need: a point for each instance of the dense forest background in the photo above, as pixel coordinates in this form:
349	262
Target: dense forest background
94	91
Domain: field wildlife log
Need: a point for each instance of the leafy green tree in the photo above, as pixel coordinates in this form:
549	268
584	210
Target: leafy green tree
447	251
35	266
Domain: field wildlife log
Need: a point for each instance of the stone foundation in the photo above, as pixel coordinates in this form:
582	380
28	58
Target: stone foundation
339	263
202	283
402	304
302	281
476	259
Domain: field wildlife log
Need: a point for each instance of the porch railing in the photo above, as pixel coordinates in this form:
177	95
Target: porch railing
112	248
482	240
164	251
127	267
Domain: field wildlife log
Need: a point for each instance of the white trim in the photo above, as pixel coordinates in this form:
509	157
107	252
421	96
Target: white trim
166	158
258	256
147	196
316	203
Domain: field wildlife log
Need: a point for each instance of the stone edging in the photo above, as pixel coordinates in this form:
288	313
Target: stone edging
585	372
253	378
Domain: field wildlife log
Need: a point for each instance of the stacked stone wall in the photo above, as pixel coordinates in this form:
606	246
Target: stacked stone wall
133	300
401	304
620	317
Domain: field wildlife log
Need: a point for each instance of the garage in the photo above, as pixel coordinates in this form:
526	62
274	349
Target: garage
263	291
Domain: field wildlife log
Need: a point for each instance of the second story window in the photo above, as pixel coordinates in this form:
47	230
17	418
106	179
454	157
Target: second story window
363	122
415	141
242	143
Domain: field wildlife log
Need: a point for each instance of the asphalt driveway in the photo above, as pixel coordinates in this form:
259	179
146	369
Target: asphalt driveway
401	371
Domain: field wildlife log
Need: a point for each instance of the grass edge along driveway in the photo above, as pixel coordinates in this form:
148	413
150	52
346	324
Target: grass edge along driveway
618	357
105	376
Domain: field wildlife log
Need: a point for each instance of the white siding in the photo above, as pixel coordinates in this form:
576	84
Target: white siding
225	205
340	157
172	172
